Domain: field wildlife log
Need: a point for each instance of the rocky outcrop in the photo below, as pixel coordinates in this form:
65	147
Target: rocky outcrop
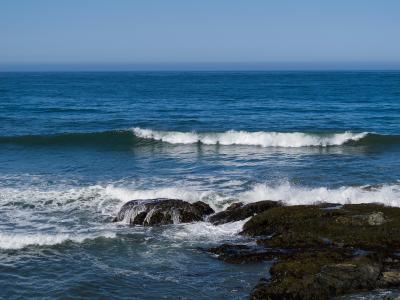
365	226
319	251
316	275
322	251
162	211
325	274
239	211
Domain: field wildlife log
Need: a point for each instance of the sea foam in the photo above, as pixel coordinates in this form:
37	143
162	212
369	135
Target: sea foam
290	194
204	231
387	194
18	241
36	219
260	138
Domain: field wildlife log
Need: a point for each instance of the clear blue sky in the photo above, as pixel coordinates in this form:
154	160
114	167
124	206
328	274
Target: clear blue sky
183	32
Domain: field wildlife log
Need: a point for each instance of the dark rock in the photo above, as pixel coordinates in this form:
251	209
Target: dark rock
238	211
320	275
390	277
240	254
235	205
323	250
329	246
162	211
203	207
375	218
365	226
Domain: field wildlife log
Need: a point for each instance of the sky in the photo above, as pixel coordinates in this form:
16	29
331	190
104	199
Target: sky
208	34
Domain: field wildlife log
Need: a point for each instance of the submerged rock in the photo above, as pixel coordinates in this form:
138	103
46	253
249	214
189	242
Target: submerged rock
162	211
238	211
239	254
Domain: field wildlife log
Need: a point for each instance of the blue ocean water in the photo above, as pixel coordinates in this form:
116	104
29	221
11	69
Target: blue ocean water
75	146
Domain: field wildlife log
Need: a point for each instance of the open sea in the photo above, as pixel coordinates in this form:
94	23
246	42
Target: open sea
74	147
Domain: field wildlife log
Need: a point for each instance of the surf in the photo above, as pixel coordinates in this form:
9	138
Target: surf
138	137
258	138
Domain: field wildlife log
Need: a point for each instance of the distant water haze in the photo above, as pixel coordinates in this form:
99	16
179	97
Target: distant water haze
206	67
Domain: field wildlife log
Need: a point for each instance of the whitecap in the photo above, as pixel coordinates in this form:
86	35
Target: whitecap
260	138
387	194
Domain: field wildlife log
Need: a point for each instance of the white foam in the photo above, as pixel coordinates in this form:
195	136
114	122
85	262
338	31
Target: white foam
204	231
45	196
294	195
48	215
260	138
126	194
18	241
186	194
388	194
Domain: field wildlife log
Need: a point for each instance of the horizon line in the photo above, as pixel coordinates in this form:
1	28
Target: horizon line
201	66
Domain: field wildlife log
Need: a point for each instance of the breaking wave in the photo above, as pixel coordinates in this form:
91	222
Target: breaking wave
142	137
54	216
387	194
260	138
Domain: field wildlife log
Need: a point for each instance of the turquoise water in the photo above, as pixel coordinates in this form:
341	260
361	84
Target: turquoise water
75	146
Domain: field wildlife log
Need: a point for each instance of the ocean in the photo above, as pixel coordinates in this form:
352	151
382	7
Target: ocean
76	146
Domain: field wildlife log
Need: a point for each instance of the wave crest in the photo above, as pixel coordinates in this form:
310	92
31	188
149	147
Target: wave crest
387	194
260	138
96	204
138	137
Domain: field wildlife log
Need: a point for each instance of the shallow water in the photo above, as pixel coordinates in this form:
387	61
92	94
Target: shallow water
75	146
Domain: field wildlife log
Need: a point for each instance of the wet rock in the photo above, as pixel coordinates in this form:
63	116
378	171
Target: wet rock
238	211
376	219
319	275
373	219
390	278
162	211
240	254
365	226
323	250
204	208
235	205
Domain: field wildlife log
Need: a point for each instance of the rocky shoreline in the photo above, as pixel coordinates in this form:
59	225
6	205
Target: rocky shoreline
319	251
